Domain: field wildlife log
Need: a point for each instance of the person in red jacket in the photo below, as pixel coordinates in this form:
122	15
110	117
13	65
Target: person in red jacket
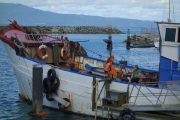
109	68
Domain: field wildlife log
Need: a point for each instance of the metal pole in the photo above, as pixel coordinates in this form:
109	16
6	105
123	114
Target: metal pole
96	99
94	92
94	96
169	10
169	19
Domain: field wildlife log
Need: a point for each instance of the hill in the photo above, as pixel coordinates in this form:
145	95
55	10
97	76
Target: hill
29	16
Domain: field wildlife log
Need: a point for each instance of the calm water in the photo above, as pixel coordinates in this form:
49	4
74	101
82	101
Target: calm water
146	58
13	108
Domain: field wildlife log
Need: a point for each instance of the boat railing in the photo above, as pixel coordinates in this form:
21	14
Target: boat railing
152	96
155	93
39	37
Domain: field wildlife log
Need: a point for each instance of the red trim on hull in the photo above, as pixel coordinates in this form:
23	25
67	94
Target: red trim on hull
12	26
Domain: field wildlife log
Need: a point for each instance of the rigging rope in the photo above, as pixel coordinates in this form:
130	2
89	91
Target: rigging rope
97	53
102	56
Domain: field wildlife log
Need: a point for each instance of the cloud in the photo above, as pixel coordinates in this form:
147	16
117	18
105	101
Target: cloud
136	9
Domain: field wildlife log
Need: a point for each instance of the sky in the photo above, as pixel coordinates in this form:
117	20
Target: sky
155	10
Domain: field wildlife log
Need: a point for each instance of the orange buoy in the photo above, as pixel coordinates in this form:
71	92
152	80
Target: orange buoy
41	114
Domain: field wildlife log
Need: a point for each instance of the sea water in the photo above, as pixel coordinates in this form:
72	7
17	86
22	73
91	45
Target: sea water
12	107
96	47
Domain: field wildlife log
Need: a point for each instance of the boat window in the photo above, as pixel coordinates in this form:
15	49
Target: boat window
170	34
179	35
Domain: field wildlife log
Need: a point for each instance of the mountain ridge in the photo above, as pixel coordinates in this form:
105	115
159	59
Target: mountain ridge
28	16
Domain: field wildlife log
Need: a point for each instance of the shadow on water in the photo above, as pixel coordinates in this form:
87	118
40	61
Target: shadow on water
14	108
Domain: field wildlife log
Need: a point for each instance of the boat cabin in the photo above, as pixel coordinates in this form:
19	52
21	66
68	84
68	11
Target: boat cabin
169	67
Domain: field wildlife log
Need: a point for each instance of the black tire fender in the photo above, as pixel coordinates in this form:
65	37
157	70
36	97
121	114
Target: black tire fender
51	74
126	114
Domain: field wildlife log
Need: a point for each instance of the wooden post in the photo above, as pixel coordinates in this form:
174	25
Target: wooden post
128	41
107	87
37	89
56	54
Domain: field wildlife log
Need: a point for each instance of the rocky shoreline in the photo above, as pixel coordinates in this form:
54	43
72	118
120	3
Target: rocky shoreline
72	29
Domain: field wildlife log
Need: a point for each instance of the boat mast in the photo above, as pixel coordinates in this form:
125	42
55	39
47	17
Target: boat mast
169	19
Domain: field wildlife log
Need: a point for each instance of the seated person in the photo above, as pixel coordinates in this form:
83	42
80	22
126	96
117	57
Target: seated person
109	68
122	73
136	74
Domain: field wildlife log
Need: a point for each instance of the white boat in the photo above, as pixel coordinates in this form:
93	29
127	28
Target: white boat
156	44
76	85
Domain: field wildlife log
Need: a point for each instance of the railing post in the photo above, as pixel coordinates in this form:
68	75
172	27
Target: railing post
107	86
128	95
94	95
94	92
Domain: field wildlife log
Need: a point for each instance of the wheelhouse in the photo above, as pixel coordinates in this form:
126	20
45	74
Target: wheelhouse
169	68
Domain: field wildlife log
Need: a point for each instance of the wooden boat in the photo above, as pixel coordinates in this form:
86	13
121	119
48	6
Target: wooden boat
78	90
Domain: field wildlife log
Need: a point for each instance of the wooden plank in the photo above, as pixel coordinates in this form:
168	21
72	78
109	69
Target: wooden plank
56	54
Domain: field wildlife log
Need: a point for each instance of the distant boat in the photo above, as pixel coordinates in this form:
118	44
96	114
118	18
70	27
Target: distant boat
156	44
142	45
142	40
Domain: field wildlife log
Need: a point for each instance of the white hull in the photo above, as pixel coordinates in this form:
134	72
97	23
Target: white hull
78	87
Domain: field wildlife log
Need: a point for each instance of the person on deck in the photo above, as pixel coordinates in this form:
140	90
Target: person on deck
136	74
123	72
109	67
109	43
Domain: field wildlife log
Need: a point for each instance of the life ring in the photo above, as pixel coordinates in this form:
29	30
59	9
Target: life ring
43	52
64	54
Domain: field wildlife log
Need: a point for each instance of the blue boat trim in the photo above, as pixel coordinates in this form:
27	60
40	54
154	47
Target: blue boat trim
128	66
34	60
93	69
88	75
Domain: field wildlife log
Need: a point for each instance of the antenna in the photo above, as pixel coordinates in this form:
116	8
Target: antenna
173	10
169	19
169	9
